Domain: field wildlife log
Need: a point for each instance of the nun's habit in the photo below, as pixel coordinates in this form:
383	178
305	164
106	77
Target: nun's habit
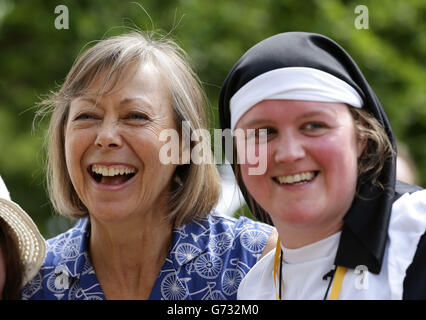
385	234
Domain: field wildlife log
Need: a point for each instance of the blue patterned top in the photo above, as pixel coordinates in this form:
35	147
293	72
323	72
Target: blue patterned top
207	260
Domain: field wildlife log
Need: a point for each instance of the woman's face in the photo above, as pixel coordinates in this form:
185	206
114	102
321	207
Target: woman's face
311	154
112	147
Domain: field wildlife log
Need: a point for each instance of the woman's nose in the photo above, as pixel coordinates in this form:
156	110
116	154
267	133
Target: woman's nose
289	149
108	136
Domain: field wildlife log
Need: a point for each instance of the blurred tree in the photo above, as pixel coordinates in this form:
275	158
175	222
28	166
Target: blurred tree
35	58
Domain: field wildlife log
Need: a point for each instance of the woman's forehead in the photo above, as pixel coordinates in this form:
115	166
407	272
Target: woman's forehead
108	81
105	80
279	110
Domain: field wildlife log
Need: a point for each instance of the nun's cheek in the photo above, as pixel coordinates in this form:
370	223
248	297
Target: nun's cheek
256	184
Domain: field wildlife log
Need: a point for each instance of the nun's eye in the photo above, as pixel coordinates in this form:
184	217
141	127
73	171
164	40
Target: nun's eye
311	126
260	135
265	132
314	128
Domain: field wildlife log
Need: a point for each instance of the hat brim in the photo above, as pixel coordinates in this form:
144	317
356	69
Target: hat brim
31	243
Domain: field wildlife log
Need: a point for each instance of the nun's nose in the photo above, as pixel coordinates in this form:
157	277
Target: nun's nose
289	149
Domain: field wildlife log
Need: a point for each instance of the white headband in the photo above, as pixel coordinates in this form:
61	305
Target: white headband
294	83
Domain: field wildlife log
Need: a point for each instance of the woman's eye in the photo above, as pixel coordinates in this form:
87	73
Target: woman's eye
136	116
268	131
314	127
265	132
261	134
85	116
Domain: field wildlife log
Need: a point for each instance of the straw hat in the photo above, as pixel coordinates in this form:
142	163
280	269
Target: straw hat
31	242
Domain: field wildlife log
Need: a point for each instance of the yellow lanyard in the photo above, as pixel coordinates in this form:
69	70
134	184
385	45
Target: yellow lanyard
337	282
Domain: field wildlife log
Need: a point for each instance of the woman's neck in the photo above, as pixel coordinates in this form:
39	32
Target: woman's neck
127	257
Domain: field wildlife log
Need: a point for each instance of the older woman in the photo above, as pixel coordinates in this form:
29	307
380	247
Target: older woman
329	187
22	247
144	229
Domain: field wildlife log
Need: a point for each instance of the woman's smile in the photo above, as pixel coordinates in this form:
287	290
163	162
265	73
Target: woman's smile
298	179
112	176
112	146
311	156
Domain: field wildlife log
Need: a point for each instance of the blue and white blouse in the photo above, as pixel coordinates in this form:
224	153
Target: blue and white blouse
208	259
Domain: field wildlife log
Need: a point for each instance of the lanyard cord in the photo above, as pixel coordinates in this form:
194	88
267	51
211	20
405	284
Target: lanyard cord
278	256
329	275
337	283
336	278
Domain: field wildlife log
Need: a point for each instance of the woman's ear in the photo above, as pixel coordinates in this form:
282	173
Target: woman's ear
361	145
360	133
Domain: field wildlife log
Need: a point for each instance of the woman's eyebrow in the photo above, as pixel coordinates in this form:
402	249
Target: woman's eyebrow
129	100
309	114
122	102
145	102
82	99
253	123
318	113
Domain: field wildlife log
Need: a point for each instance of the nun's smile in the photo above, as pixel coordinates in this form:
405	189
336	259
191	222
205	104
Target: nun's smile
311	153
296	179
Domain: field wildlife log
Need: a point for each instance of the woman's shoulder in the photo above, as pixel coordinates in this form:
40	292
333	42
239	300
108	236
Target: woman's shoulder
65	256
220	234
213	252
66	243
65	246
219	223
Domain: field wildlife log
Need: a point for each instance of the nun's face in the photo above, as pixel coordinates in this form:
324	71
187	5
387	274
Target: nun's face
311	153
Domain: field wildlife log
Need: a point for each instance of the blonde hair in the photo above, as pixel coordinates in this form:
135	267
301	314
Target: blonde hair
377	150
198	189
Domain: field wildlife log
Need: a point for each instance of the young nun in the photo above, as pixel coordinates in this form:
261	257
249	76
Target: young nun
348	229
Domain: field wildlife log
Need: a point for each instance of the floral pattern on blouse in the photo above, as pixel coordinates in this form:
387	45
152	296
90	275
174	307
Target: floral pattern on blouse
208	259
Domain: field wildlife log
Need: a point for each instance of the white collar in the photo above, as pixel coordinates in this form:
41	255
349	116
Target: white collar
317	250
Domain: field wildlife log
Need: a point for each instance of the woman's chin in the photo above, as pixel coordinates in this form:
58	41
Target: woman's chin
297	218
111	212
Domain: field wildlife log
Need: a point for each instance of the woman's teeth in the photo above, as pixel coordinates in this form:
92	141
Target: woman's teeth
297	178
112	171
113	175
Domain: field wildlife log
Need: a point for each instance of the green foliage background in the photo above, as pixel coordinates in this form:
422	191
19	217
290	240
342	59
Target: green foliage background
35	58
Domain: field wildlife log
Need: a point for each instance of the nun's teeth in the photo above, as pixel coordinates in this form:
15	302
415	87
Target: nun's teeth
112	171
304	176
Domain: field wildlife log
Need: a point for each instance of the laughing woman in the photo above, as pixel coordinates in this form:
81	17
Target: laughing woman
347	229
145	231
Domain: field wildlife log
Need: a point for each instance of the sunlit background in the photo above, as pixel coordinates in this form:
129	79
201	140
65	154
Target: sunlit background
35	57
